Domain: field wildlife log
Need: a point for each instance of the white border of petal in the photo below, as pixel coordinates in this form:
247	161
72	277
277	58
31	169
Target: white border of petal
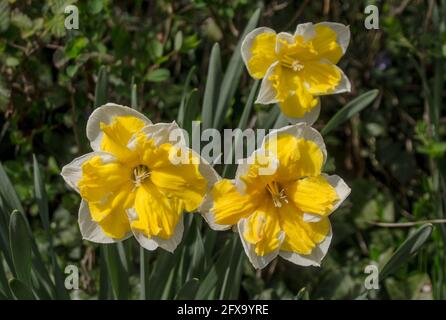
245	49
314	258
342	32
309	118
267	93
72	172
153	243
90	230
300	130
259	262
161	133
105	114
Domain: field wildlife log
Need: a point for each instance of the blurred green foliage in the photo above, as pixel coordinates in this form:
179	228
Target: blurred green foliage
392	154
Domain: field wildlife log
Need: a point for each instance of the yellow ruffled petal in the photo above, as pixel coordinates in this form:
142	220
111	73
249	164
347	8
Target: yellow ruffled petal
117	134
230	205
312	195
292	107
183	181
290	85
325	44
321	77
263	229
301	237
297	157
262	54
107	189
157	215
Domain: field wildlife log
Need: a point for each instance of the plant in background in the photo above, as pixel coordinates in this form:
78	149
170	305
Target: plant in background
298	68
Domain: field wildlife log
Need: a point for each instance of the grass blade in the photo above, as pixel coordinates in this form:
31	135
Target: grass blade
349	110
20	243
188	291
117	268
9	197
410	247
101	89
212	88
20	290
232	75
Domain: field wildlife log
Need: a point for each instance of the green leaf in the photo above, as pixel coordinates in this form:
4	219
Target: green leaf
5	16
232	75
134	99
104	279
42	203
183	117
42	199
4	286
20	243
189	111
216	274
212	88
349	110
7	193
101	90
144	273
20	290
188	291
157	75
95	6
117	269
409	248
178	42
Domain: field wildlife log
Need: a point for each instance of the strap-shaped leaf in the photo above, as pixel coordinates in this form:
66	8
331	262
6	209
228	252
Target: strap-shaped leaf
212	88
232	75
188	291
349	110
20	243
20	291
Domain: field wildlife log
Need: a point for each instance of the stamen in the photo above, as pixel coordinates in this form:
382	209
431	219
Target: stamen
292	63
277	195
140	173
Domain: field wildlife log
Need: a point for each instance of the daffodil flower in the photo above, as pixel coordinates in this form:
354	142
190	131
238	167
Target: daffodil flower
129	183
284	212
297	69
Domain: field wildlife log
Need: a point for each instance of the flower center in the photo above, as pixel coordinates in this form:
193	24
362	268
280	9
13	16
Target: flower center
277	194
140	173
290	62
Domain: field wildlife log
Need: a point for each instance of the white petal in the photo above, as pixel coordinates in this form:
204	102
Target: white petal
267	93
90	230
281	37
310	117
341	188
72	172
247	43
106	114
259	262
306	30
155	242
310	217
300	130
342	32
314	258
162	133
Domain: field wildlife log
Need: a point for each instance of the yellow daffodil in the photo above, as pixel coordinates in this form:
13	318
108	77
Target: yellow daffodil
283	211
298	68
129	183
